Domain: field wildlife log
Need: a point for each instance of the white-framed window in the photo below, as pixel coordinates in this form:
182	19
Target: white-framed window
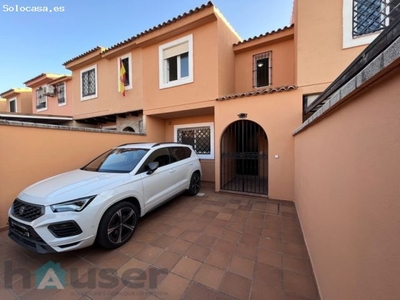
127	62
363	20
41	99
200	136
89	83
176	62
12	105
61	94
262	69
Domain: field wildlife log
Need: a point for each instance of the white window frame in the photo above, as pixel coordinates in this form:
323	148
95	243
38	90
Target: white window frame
9	104
81	86
45	101
163	82
187	126
129	56
348	39
65	93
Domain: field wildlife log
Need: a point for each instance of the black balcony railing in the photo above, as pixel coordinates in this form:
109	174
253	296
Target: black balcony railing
370	16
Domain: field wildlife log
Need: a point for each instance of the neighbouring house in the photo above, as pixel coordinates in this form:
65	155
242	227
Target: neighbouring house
18	100
3	105
50	94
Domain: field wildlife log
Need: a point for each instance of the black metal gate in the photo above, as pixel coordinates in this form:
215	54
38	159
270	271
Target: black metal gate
244	158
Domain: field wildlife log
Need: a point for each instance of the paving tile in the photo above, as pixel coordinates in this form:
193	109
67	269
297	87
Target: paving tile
163	241
230	235
206	241
132	247
175	231
245	251
268	275
270	258
250	240
293	237
146	236
219	259
296	264
132	266
235	286
271	244
241	266
172	287
149	253
160	228
294	249
186	267
197	252
261	291
299	284
179	246
190	236
167	259
197	291
224	245
209	276
114	261
213	230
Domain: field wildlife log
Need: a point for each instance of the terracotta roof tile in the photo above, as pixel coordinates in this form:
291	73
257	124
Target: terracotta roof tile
102	49
258	92
264	35
161	25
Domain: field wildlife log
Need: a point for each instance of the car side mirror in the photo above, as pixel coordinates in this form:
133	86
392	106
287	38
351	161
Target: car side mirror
152	167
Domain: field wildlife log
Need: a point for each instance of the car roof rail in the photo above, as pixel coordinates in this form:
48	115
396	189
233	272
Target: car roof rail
132	144
162	143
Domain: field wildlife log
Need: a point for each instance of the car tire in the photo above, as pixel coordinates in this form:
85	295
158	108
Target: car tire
117	225
194	186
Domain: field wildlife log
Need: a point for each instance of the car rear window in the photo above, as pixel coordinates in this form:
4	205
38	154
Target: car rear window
179	153
116	161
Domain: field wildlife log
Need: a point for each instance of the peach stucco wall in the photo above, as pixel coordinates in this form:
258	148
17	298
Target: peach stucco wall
279	114
109	100
30	154
3	105
205	73
52	102
347	195
282	62
320	57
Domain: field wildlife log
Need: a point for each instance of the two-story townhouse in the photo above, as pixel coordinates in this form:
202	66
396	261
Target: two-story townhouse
18	100
50	94
98	98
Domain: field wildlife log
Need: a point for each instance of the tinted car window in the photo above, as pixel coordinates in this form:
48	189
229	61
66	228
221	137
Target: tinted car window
116	161
179	153
160	155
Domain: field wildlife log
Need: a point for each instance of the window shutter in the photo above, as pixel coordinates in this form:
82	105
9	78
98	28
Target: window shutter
176	50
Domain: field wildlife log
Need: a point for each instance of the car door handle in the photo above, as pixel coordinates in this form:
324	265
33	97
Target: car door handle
172	170
191	164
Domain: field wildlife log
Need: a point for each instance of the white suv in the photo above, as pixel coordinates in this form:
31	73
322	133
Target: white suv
102	201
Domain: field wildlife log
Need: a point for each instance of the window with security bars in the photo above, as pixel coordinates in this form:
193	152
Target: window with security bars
61	93
41	99
370	16
88	81
262	69
198	137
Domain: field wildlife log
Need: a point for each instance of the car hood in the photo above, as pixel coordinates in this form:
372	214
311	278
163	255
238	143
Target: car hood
69	186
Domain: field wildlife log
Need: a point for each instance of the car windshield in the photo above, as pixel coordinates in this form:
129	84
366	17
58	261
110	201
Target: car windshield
116	161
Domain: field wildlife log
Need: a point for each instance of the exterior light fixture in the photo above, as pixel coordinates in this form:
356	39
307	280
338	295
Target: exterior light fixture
242	115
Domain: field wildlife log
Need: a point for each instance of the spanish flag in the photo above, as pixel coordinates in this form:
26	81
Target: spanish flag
122	78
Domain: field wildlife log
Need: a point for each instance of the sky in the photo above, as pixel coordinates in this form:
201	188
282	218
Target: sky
40	42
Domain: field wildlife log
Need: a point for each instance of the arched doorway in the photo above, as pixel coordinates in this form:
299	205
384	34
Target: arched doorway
244	158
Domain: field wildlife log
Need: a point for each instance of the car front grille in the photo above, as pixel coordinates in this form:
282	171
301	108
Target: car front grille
26	211
65	229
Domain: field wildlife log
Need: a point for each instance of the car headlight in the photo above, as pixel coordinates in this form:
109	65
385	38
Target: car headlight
73	205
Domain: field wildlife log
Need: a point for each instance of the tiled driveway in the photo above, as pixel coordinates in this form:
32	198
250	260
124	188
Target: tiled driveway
211	246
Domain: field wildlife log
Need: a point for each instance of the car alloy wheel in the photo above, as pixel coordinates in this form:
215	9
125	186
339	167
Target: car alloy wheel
117	225
194	184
